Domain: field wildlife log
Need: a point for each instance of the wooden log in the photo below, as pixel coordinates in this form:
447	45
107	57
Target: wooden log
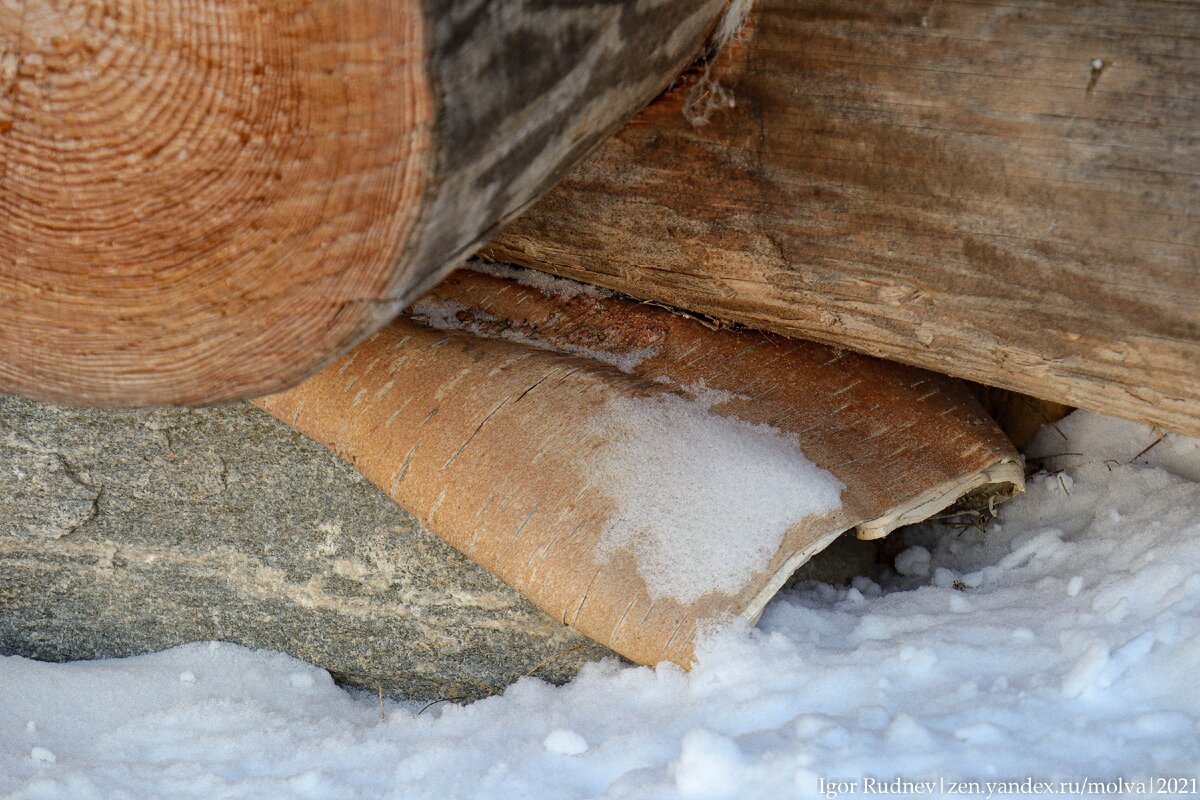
586	450
207	201
1006	192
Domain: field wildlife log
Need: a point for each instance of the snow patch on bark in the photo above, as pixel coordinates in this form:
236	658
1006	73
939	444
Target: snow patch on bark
703	501
547	284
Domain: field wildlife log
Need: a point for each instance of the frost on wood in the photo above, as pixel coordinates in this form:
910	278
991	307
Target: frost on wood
702	501
639	502
544	282
448	315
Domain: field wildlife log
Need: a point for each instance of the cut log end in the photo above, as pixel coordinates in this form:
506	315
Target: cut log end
199	201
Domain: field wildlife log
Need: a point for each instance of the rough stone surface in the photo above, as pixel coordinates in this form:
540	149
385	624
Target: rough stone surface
125	532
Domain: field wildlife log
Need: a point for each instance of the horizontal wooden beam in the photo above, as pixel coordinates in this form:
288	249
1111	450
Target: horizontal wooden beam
1008	192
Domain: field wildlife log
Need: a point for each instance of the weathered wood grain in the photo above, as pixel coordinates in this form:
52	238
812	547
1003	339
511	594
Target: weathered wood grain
201	201
1008	192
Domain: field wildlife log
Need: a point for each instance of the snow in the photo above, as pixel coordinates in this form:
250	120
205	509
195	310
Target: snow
43	755
1113	442
547	284
702	501
567	743
914	562
1071	650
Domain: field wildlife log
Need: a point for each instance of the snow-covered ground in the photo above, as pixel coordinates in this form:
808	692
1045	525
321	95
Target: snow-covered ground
1063	643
